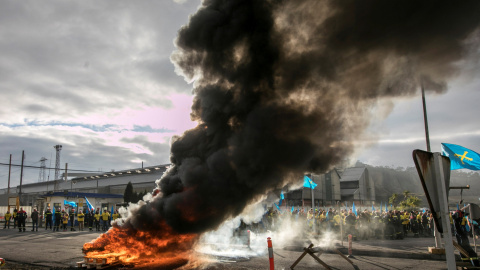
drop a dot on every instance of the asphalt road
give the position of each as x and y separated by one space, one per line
61 250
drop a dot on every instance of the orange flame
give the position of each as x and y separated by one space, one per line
162 247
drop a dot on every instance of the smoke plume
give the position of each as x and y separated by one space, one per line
285 87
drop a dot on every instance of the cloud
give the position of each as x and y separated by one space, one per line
76 59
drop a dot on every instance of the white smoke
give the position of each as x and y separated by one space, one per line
229 241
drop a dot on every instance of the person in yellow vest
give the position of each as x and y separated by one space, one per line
8 216
97 220
405 222
105 216
310 218
419 221
14 215
115 215
323 221
64 220
336 225
315 221
81 219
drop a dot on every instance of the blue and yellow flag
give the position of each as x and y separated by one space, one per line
71 203
282 197
277 207
461 157
307 182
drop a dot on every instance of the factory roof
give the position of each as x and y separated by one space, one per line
352 174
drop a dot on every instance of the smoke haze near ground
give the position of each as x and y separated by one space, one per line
286 87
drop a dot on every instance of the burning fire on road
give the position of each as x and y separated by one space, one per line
282 88
142 249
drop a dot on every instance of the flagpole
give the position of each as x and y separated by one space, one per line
313 207
425 120
472 227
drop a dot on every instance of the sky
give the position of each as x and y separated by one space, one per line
96 77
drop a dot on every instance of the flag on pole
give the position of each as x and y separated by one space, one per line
89 205
72 204
282 197
461 157
354 210
277 206
53 216
307 182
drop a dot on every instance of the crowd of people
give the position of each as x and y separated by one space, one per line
393 224
61 219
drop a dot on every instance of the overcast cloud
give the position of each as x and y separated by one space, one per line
96 77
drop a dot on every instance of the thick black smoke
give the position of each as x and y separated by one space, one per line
285 87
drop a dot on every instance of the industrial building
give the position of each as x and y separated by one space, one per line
335 186
356 185
105 190
102 190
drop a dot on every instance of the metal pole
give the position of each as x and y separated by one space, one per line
21 176
66 171
313 204
436 234
313 207
447 232
473 227
425 120
9 172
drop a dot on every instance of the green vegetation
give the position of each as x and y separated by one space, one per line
409 201
132 196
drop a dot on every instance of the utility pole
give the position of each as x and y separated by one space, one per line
21 177
66 171
9 172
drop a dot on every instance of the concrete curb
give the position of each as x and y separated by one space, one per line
376 253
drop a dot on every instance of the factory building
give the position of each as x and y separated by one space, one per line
102 189
356 185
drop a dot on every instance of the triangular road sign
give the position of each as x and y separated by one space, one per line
429 177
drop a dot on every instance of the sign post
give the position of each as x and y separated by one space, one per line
434 172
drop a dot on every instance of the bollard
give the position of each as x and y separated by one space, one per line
248 238
350 246
270 253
